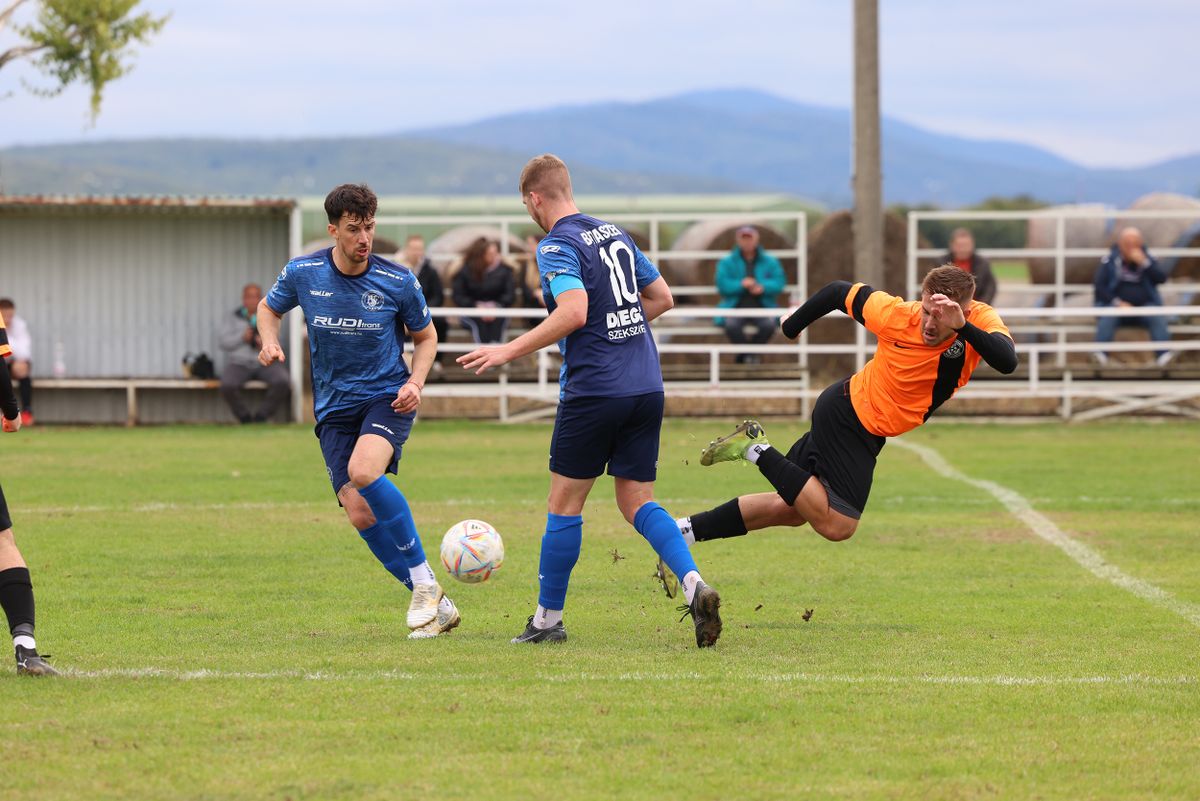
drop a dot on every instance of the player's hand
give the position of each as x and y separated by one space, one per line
270 354
485 358
11 426
948 311
408 398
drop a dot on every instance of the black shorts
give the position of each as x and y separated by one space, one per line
5 520
622 433
839 451
338 433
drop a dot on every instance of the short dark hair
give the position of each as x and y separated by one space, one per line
948 280
357 200
6 303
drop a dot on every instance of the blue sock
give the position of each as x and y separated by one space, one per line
653 523
560 552
381 544
391 512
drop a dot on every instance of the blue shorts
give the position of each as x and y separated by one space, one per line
338 433
622 433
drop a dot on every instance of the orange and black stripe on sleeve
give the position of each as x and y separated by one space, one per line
5 348
856 299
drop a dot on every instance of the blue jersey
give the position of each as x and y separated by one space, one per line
613 354
355 325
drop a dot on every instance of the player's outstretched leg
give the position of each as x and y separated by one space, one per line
732 447
393 514
560 551
703 602
16 597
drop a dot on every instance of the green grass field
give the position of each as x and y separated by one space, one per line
227 635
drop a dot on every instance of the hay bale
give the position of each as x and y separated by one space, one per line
1185 268
831 258
718 235
1161 233
1092 232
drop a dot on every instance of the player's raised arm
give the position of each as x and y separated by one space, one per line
268 332
569 315
831 297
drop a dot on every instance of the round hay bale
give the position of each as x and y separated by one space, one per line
718 235
1091 232
1166 232
1185 268
446 249
831 258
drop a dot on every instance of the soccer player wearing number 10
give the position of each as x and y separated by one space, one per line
601 293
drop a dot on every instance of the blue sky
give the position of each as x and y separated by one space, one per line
1102 82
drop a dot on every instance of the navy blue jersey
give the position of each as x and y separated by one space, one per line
613 354
355 325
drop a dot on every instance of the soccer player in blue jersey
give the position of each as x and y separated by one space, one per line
357 307
601 292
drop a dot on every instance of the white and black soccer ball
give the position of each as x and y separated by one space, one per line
472 551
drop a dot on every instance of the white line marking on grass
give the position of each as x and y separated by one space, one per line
1042 526
638 677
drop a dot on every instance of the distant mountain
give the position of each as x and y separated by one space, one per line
392 165
716 141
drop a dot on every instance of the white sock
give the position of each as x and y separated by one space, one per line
422 574
545 618
756 450
24 641
444 605
685 528
689 583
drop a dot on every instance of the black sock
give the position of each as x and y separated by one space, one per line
723 521
25 388
16 597
787 477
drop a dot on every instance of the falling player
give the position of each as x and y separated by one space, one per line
357 307
602 292
927 350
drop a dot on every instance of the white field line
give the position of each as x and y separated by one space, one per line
1043 527
639 677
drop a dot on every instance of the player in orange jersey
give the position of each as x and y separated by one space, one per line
927 349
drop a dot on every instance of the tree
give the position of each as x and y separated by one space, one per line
78 41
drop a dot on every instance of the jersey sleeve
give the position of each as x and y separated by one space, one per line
283 297
5 348
876 310
559 267
414 311
644 269
986 318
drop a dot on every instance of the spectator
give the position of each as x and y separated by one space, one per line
748 278
529 279
413 257
21 364
239 339
1129 276
963 256
484 282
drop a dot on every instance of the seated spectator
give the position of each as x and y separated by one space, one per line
484 282
239 339
413 257
1129 276
963 256
529 279
749 278
21 364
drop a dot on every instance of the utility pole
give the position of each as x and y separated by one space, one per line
868 179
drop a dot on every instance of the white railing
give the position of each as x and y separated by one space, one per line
1033 385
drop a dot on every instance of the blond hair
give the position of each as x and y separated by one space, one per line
948 280
547 175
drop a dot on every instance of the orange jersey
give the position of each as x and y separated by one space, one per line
5 348
907 380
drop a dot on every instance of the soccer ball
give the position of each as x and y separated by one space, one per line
472 550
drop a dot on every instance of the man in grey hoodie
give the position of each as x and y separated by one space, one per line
239 339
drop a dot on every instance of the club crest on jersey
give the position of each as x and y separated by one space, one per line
954 351
372 300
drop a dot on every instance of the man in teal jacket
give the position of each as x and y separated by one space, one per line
749 278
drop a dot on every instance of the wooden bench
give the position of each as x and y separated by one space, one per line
131 387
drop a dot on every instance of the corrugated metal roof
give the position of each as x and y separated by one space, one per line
164 202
